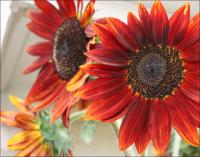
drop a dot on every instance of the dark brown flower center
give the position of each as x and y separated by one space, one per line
155 71
69 46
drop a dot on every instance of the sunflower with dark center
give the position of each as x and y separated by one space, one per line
148 72
68 35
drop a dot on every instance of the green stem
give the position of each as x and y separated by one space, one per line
77 116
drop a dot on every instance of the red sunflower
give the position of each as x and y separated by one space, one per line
147 70
59 57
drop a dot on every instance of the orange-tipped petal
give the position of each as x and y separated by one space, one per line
77 81
136 30
160 23
160 126
22 139
121 32
67 99
107 38
182 121
8 118
105 110
88 13
30 148
178 24
103 71
98 88
19 104
49 99
109 57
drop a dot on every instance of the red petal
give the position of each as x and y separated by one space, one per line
107 38
160 125
190 92
50 99
67 8
182 122
100 88
193 80
121 32
192 108
49 9
192 54
109 108
64 102
144 137
178 24
40 31
88 13
135 29
43 20
103 71
44 81
109 57
160 23
133 123
40 49
192 67
41 61
145 21
192 35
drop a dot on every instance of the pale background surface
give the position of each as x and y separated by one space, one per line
14 59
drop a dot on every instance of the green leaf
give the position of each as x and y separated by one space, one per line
87 131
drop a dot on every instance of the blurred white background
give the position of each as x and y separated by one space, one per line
15 37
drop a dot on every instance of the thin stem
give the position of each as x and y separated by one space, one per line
176 146
77 115
129 151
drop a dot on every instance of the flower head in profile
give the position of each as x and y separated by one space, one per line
148 72
67 35
38 137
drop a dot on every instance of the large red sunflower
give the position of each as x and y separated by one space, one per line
59 57
147 70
